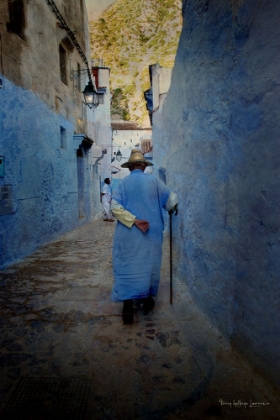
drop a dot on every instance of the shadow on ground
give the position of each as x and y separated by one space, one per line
65 353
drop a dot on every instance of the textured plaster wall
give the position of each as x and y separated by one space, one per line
216 142
52 190
102 125
42 174
34 62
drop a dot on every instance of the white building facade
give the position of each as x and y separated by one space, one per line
125 137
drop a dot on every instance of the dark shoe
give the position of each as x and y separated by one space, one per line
127 314
148 304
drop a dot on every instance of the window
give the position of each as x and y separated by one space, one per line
17 17
78 79
63 62
2 171
100 99
63 143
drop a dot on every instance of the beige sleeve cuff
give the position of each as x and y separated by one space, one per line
172 200
122 215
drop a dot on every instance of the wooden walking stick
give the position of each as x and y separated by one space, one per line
171 261
170 241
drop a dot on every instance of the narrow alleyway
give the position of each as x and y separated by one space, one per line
63 344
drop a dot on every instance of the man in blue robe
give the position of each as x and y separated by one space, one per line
138 205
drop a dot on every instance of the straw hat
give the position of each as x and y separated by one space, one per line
136 156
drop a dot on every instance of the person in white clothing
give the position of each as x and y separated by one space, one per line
106 200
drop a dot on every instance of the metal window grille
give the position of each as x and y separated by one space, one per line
146 146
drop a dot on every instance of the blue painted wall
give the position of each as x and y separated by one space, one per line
42 174
217 142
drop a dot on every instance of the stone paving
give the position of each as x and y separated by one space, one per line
57 321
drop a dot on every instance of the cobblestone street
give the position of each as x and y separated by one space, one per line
57 322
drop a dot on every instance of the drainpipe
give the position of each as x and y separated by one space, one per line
98 158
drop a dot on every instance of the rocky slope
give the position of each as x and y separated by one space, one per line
128 37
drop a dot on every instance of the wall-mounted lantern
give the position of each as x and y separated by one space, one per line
119 155
90 95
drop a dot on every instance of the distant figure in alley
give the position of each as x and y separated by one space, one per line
138 204
106 200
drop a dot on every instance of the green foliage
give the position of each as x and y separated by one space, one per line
143 38
145 78
130 89
130 36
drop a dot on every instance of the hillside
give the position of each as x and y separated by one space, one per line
128 37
